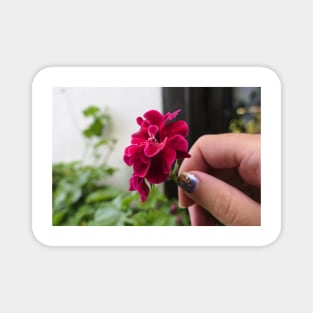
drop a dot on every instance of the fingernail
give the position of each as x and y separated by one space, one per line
187 181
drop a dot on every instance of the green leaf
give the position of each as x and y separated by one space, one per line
88 133
58 217
91 111
104 194
108 215
130 200
94 129
83 213
153 218
154 199
66 194
82 176
101 142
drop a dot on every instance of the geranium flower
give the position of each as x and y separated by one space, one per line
154 148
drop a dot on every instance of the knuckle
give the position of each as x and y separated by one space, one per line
252 163
202 139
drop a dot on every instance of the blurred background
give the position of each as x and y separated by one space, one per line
92 127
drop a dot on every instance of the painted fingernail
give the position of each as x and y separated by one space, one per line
187 181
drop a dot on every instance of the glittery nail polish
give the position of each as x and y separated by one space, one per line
187 181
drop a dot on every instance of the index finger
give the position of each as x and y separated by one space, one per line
224 151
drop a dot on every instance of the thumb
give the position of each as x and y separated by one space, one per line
226 203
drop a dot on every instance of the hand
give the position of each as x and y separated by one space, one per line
222 180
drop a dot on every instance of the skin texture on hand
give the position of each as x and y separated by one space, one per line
227 171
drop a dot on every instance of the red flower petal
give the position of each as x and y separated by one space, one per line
132 149
152 130
182 155
141 167
174 128
139 184
168 156
154 117
139 120
152 148
134 153
161 165
139 137
143 190
169 116
178 143
126 159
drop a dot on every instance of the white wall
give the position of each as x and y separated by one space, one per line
124 104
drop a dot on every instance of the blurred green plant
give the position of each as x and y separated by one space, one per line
98 134
82 196
247 115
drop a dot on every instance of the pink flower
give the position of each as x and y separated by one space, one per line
154 148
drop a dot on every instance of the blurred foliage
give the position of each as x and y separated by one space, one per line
247 115
98 134
83 197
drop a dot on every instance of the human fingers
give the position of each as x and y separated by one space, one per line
200 217
226 203
224 151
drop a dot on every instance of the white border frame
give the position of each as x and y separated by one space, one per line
51 77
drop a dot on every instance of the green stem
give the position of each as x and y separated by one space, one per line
174 172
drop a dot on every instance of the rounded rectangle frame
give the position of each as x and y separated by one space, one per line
51 77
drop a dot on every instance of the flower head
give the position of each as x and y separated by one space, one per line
154 148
